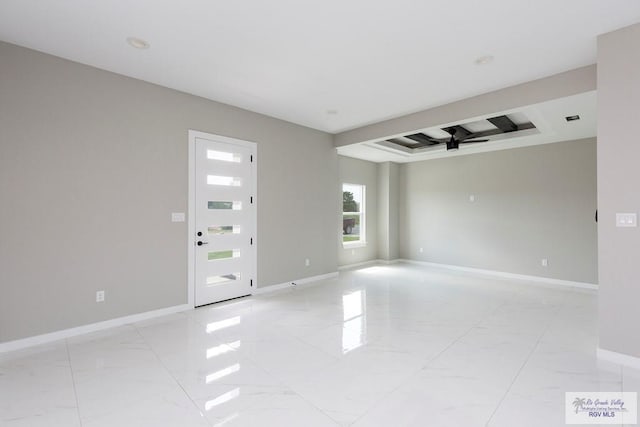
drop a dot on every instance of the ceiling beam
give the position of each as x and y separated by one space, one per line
494 132
503 123
424 139
399 141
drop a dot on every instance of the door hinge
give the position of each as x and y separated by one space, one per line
251 281
251 158
252 240
251 199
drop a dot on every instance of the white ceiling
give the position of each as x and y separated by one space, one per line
369 60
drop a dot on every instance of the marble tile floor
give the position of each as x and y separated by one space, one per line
397 345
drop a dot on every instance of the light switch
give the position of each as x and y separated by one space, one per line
626 220
177 217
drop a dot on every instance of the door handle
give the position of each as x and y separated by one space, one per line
200 243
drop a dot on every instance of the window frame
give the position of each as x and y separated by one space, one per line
362 214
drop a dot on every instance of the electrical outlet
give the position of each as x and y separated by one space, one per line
544 262
626 220
307 262
472 198
100 296
177 217
421 250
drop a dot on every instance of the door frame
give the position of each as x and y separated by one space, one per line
191 217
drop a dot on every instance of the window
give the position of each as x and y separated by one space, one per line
353 215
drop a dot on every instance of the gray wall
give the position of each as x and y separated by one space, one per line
388 206
354 171
530 203
91 166
618 178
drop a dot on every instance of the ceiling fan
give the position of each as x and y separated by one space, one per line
459 135
453 143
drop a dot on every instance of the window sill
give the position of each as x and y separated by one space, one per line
353 245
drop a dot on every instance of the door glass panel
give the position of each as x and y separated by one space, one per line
231 253
226 278
224 229
224 156
227 181
236 206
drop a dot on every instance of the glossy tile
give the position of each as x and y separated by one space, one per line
119 380
247 405
436 398
36 388
396 345
631 380
348 388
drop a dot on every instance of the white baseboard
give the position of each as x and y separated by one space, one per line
120 321
619 358
298 282
358 264
365 263
92 327
539 279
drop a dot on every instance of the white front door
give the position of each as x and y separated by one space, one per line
225 218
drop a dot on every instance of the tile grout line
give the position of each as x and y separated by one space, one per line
73 381
283 384
515 378
316 348
320 410
289 387
279 380
171 375
465 333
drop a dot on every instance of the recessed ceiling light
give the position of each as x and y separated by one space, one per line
572 118
332 112
482 60
138 43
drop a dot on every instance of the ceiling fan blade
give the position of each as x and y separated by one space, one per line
470 136
423 139
471 142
